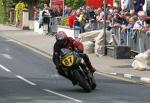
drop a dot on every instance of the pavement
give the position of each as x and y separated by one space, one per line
105 65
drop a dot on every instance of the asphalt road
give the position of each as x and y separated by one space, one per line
28 77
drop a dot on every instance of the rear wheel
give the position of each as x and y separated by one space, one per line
82 81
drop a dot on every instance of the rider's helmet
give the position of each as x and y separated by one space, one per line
61 38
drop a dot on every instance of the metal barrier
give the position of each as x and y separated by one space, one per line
54 22
76 32
50 25
94 25
137 40
100 25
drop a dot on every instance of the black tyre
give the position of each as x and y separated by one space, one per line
91 80
82 81
93 83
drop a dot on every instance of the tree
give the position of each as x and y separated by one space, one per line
74 4
5 6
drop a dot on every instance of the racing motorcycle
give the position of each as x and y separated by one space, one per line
74 69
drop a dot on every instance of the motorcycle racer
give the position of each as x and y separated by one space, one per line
62 41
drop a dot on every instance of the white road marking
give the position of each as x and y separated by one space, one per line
145 79
4 68
9 40
128 75
7 56
113 73
49 91
22 78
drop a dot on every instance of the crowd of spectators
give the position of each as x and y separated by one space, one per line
88 18
53 12
45 16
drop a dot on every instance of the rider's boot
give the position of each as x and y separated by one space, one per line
91 68
88 63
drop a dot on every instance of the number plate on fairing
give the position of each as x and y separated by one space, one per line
68 61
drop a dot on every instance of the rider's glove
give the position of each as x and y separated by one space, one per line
79 50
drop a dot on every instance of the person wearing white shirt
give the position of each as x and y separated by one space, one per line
125 5
146 7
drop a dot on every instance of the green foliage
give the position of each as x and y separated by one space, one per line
74 4
5 7
40 3
2 14
3 11
117 1
64 21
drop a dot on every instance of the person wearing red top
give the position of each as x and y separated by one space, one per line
62 41
71 19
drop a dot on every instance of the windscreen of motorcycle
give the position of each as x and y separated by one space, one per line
67 58
65 51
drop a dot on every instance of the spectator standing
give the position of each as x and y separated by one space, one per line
59 11
138 5
71 19
46 17
35 12
82 20
92 18
140 23
132 21
147 28
55 12
126 5
66 11
124 18
146 7
101 15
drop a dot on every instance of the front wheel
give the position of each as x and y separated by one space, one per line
82 81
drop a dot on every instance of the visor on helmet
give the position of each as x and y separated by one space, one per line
61 38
